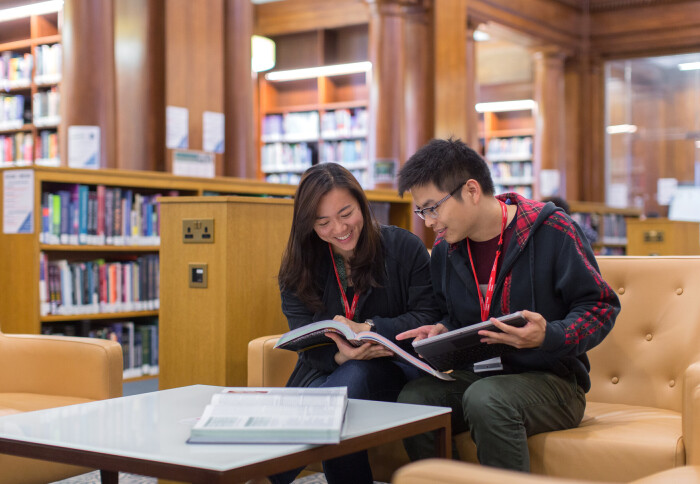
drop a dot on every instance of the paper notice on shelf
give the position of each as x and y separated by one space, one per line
193 163
213 131
684 205
84 147
665 188
18 202
549 183
617 195
177 127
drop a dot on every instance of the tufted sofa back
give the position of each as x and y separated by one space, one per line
656 336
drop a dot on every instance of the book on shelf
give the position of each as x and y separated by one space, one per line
314 334
272 415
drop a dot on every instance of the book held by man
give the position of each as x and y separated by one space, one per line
248 415
314 334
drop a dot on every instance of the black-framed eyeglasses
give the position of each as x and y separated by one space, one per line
432 211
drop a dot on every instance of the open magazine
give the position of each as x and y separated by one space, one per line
314 334
247 415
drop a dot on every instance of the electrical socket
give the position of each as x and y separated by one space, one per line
198 231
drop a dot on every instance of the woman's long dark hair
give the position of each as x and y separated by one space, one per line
305 250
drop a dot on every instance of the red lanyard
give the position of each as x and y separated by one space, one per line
349 310
485 302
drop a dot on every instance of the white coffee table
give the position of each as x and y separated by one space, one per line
146 434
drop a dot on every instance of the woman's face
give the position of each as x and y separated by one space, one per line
339 221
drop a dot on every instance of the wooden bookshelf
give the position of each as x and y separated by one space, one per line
608 223
32 45
508 148
22 253
324 118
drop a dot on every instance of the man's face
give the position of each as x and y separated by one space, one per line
451 219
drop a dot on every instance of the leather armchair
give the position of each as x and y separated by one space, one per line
440 471
643 410
38 372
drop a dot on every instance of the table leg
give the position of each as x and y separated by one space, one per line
109 477
443 441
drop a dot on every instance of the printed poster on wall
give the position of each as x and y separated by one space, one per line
213 131
193 163
84 147
18 202
177 121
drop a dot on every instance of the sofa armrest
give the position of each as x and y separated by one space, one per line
268 367
443 471
58 365
691 414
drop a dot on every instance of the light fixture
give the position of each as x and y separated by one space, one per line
31 9
312 72
621 128
481 36
262 53
502 106
689 66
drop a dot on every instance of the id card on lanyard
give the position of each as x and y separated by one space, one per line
485 302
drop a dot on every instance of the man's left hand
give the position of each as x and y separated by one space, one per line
529 336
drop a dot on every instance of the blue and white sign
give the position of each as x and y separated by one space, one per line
84 147
18 202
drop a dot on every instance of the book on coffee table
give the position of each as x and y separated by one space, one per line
245 415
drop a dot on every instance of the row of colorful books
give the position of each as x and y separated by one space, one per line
509 149
97 286
511 169
48 64
100 215
344 151
344 123
286 157
15 69
12 109
16 149
139 342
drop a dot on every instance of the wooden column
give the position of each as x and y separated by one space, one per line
418 87
550 131
194 67
239 157
88 85
139 46
472 87
593 130
386 88
451 73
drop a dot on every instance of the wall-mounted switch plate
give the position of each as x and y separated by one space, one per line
198 231
197 275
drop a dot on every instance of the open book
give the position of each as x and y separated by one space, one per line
461 347
314 334
272 415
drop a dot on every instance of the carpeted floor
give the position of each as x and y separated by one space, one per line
94 478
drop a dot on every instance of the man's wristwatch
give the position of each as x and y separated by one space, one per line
372 326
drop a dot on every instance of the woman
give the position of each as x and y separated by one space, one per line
341 264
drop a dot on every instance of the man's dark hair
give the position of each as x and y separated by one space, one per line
445 163
559 202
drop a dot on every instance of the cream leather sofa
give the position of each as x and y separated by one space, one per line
438 471
38 372
643 411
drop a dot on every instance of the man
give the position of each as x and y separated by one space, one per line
526 256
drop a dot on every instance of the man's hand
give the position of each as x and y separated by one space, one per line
529 336
347 352
422 332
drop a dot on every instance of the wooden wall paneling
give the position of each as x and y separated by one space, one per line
240 158
552 22
88 85
386 91
139 46
550 130
44 25
276 18
194 53
346 44
593 138
472 89
646 29
298 50
450 73
419 84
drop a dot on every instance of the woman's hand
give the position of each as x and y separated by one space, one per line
356 327
347 352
